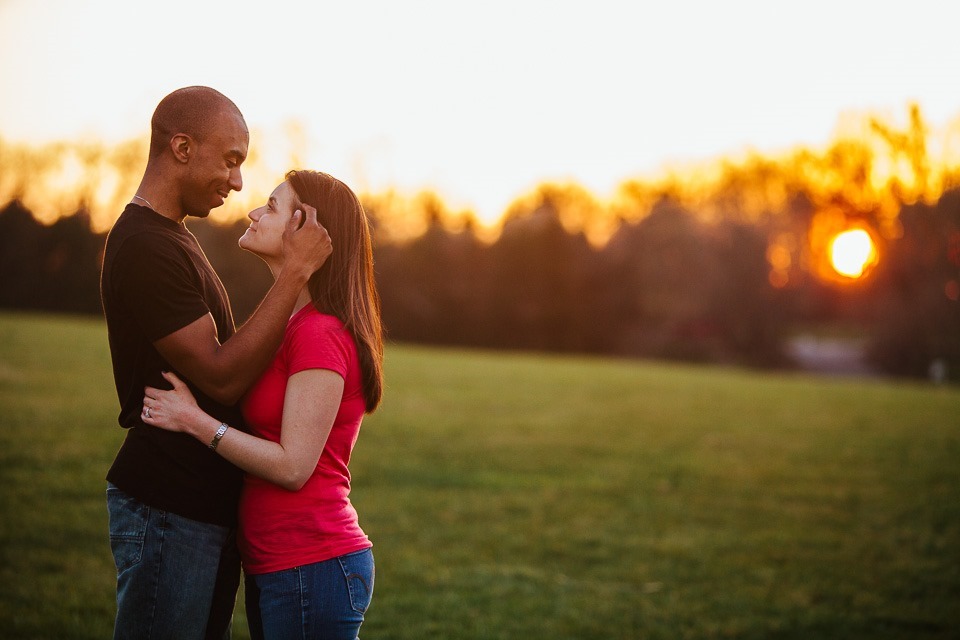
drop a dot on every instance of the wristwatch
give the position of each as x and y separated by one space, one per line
216 438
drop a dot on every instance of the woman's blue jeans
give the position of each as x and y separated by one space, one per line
321 600
176 577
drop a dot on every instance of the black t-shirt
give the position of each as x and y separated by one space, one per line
155 281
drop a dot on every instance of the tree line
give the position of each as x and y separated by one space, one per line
671 283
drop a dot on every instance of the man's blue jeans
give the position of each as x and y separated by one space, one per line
176 577
321 600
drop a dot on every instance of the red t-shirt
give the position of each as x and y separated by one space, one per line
281 529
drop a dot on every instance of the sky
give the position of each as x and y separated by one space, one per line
481 101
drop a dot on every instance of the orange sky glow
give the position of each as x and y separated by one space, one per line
478 103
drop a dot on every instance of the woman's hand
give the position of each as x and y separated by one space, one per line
174 410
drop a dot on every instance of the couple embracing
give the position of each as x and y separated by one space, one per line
238 440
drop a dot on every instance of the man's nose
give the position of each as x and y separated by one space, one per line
236 180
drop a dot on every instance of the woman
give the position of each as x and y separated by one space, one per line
309 566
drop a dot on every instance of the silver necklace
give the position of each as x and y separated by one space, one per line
147 202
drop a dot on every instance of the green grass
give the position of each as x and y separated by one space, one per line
523 496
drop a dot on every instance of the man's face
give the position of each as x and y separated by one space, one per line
213 170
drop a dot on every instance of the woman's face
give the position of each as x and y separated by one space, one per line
264 236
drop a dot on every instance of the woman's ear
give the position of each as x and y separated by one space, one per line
303 215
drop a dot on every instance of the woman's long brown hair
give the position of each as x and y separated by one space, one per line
344 286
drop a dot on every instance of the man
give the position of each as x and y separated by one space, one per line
171 500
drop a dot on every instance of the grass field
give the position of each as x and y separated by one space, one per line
520 496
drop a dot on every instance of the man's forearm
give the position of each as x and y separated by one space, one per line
224 371
241 359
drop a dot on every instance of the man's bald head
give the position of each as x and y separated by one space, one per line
191 110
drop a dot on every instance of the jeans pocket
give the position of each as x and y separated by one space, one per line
128 528
359 572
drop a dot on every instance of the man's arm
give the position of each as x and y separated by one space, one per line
225 371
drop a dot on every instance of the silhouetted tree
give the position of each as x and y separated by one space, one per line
748 313
20 257
49 268
667 270
538 294
431 288
918 312
70 265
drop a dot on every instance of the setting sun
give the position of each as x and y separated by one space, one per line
852 252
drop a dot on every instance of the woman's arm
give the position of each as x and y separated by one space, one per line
225 371
310 406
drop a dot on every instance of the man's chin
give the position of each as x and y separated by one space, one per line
198 213
204 210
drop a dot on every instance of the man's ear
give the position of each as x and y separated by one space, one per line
182 146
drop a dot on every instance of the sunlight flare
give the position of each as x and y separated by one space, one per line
852 252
